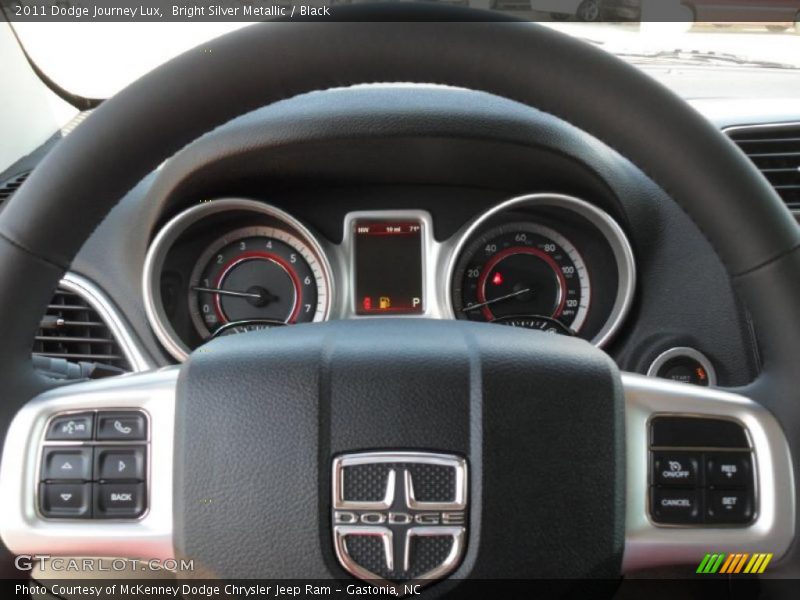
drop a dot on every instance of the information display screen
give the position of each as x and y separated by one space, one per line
388 267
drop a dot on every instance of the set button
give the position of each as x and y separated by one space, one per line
730 506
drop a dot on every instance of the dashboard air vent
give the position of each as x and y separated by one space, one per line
775 150
9 186
71 329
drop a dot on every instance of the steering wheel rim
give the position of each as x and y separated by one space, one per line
81 180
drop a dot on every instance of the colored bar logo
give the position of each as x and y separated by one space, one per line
731 564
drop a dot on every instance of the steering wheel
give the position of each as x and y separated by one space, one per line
460 449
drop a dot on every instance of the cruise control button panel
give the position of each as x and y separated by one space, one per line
701 472
101 474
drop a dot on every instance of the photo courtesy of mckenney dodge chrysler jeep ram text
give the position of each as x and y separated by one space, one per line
399 299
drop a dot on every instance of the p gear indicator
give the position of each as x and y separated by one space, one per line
388 267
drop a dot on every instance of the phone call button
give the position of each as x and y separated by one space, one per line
117 425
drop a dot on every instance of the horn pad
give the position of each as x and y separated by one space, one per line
536 420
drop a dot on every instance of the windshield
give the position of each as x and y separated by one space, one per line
95 60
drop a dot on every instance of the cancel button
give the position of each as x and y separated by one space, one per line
675 468
674 506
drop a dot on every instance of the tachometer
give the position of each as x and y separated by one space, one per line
522 270
253 277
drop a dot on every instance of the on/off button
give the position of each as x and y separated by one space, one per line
675 469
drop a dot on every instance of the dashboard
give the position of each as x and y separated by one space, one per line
545 261
467 207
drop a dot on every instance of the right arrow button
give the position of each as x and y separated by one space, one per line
114 463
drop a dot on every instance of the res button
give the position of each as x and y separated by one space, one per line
729 469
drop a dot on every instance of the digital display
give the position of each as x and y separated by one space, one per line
388 267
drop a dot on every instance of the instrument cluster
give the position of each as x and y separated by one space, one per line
545 262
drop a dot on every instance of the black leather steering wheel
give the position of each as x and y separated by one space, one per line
320 377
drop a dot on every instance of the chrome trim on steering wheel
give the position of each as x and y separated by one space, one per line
24 531
646 544
772 530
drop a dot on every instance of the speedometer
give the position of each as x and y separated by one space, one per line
255 277
522 270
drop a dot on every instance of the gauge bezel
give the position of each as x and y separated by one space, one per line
239 234
430 251
172 231
584 280
601 220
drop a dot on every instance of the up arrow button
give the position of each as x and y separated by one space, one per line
66 464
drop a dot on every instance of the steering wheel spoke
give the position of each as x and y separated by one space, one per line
650 540
87 470
692 452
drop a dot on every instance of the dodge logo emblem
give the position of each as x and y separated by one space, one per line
399 518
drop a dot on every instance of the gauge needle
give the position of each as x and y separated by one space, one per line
227 292
492 301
